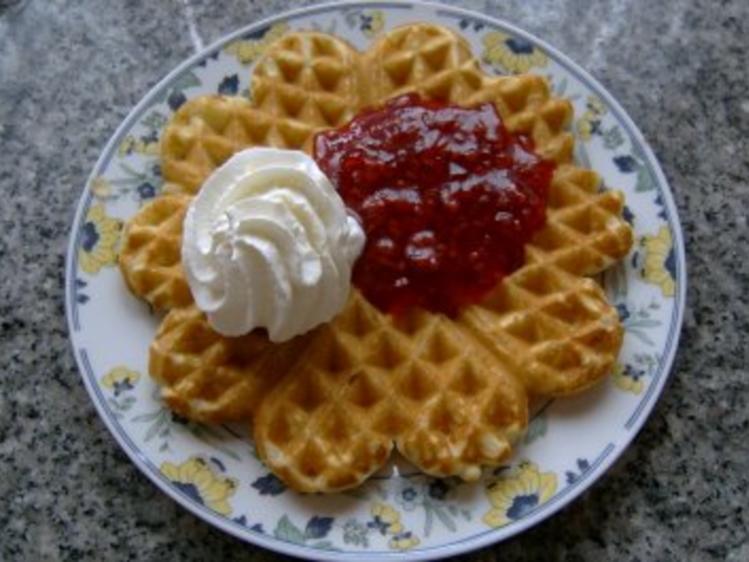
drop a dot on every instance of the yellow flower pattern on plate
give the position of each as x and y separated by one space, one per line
133 145
590 120
387 520
511 54
373 22
404 541
625 381
99 236
660 261
518 492
196 479
120 379
249 50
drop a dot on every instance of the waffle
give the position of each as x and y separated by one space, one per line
451 394
210 378
201 136
365 383
550 324
150 258
306 82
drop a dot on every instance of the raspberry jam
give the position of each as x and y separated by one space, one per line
446 195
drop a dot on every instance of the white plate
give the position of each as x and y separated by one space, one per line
214 472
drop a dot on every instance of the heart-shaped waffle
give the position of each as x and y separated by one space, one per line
450 394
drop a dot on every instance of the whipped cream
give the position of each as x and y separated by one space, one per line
268 243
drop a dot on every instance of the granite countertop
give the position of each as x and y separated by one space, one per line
71 71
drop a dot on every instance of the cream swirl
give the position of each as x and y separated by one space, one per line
268 243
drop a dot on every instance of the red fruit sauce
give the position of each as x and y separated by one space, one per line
447 197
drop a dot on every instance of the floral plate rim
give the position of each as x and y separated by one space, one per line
485 537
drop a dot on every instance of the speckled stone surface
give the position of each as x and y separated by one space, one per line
71 70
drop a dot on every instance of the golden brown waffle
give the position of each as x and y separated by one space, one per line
364 383
210 378
201 136
150 258
451 394
306 82
553 327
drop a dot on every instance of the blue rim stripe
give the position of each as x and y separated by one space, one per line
476 541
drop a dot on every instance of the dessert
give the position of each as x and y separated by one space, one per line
268 243
449 391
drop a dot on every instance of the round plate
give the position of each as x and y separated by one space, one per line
214 472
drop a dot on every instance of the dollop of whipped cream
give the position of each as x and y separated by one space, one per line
268 243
